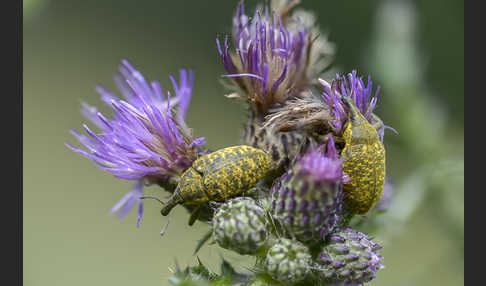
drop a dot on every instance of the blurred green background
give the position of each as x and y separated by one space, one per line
413 49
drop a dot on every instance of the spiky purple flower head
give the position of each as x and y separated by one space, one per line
353 87
145 139
269 63
307 199
322 164
128 201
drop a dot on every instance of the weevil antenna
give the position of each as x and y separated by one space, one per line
164 229
151 197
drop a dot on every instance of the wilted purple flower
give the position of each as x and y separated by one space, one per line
145 138
270 61
352 87
307 199
328 114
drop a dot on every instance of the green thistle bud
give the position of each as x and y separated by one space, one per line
240 225
288 261
350 256
307 200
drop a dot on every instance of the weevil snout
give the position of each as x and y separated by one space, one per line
174 200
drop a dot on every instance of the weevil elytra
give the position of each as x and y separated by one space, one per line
220 175
364 161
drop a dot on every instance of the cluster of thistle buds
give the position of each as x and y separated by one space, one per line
307 164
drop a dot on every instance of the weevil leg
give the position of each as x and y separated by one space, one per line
337 139
214 204
194 215
258 191
377 122
252 192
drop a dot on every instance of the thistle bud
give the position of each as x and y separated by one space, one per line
288 261
307 201
350 256
240 225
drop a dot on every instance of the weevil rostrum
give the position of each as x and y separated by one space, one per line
364 161
222 174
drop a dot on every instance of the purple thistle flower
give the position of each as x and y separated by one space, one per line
353 87
270 61
126 203
144 139
323 164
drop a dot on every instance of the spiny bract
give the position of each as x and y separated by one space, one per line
220 175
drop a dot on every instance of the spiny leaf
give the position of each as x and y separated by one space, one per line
203 240
227 269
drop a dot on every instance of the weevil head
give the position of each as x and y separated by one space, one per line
171 203
189 190
358 129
